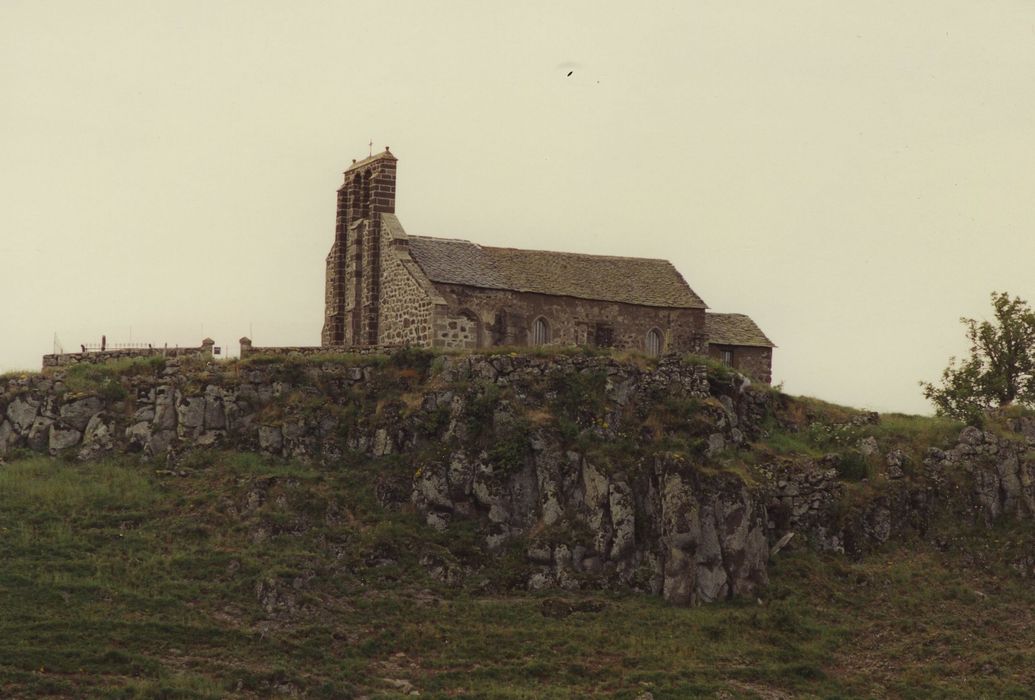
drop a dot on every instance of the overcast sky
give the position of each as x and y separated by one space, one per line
855 176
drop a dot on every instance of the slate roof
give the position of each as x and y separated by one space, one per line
641 281
735 329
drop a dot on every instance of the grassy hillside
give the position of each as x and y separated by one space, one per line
237 576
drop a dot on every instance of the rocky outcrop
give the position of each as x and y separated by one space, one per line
662 527
598 472
514 441
1000 469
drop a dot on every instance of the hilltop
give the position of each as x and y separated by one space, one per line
503 525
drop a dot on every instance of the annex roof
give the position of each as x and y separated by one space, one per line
643 281
735 329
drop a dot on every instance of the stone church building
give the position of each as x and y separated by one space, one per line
388 288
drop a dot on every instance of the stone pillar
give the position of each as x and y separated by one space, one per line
246 347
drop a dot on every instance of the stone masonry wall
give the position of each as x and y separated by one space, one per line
456 331
406 306
96 357
353 273
505 318
250 351
755 362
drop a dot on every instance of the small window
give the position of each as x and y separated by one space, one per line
604 335
540 332
654 342
727 357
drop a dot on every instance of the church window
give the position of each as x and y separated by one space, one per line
540 332
654 342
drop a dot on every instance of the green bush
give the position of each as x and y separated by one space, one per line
853 466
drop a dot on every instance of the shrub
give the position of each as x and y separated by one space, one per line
853 466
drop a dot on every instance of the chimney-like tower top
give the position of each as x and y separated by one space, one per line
385 155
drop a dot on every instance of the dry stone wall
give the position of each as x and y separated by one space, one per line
102 356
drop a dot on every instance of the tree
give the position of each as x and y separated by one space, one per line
1001 367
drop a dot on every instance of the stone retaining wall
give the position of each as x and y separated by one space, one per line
101 356
249 350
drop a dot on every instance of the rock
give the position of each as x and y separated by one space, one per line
209 438
97 438
137 435
596 489
39 434
159 442
7 436
382 443
431 488
896 459
539 554
780 544
215 413
868 446
592 565
271 439
716 444
191 415
436 521
623 518
62 439
78 413
539 581
971 436
165 409
22 413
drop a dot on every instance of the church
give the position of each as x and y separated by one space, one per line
386 288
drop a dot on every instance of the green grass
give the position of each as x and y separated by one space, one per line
249 577
104 378
806 427
17 374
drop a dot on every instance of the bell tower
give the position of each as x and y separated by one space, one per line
353 282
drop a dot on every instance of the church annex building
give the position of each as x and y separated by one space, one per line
387 288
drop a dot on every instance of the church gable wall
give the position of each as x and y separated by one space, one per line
407 300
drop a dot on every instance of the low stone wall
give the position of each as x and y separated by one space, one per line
101 356
249 350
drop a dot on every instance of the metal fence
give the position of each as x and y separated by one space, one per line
97 347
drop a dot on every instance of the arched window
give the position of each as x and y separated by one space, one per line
654 341
540 331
